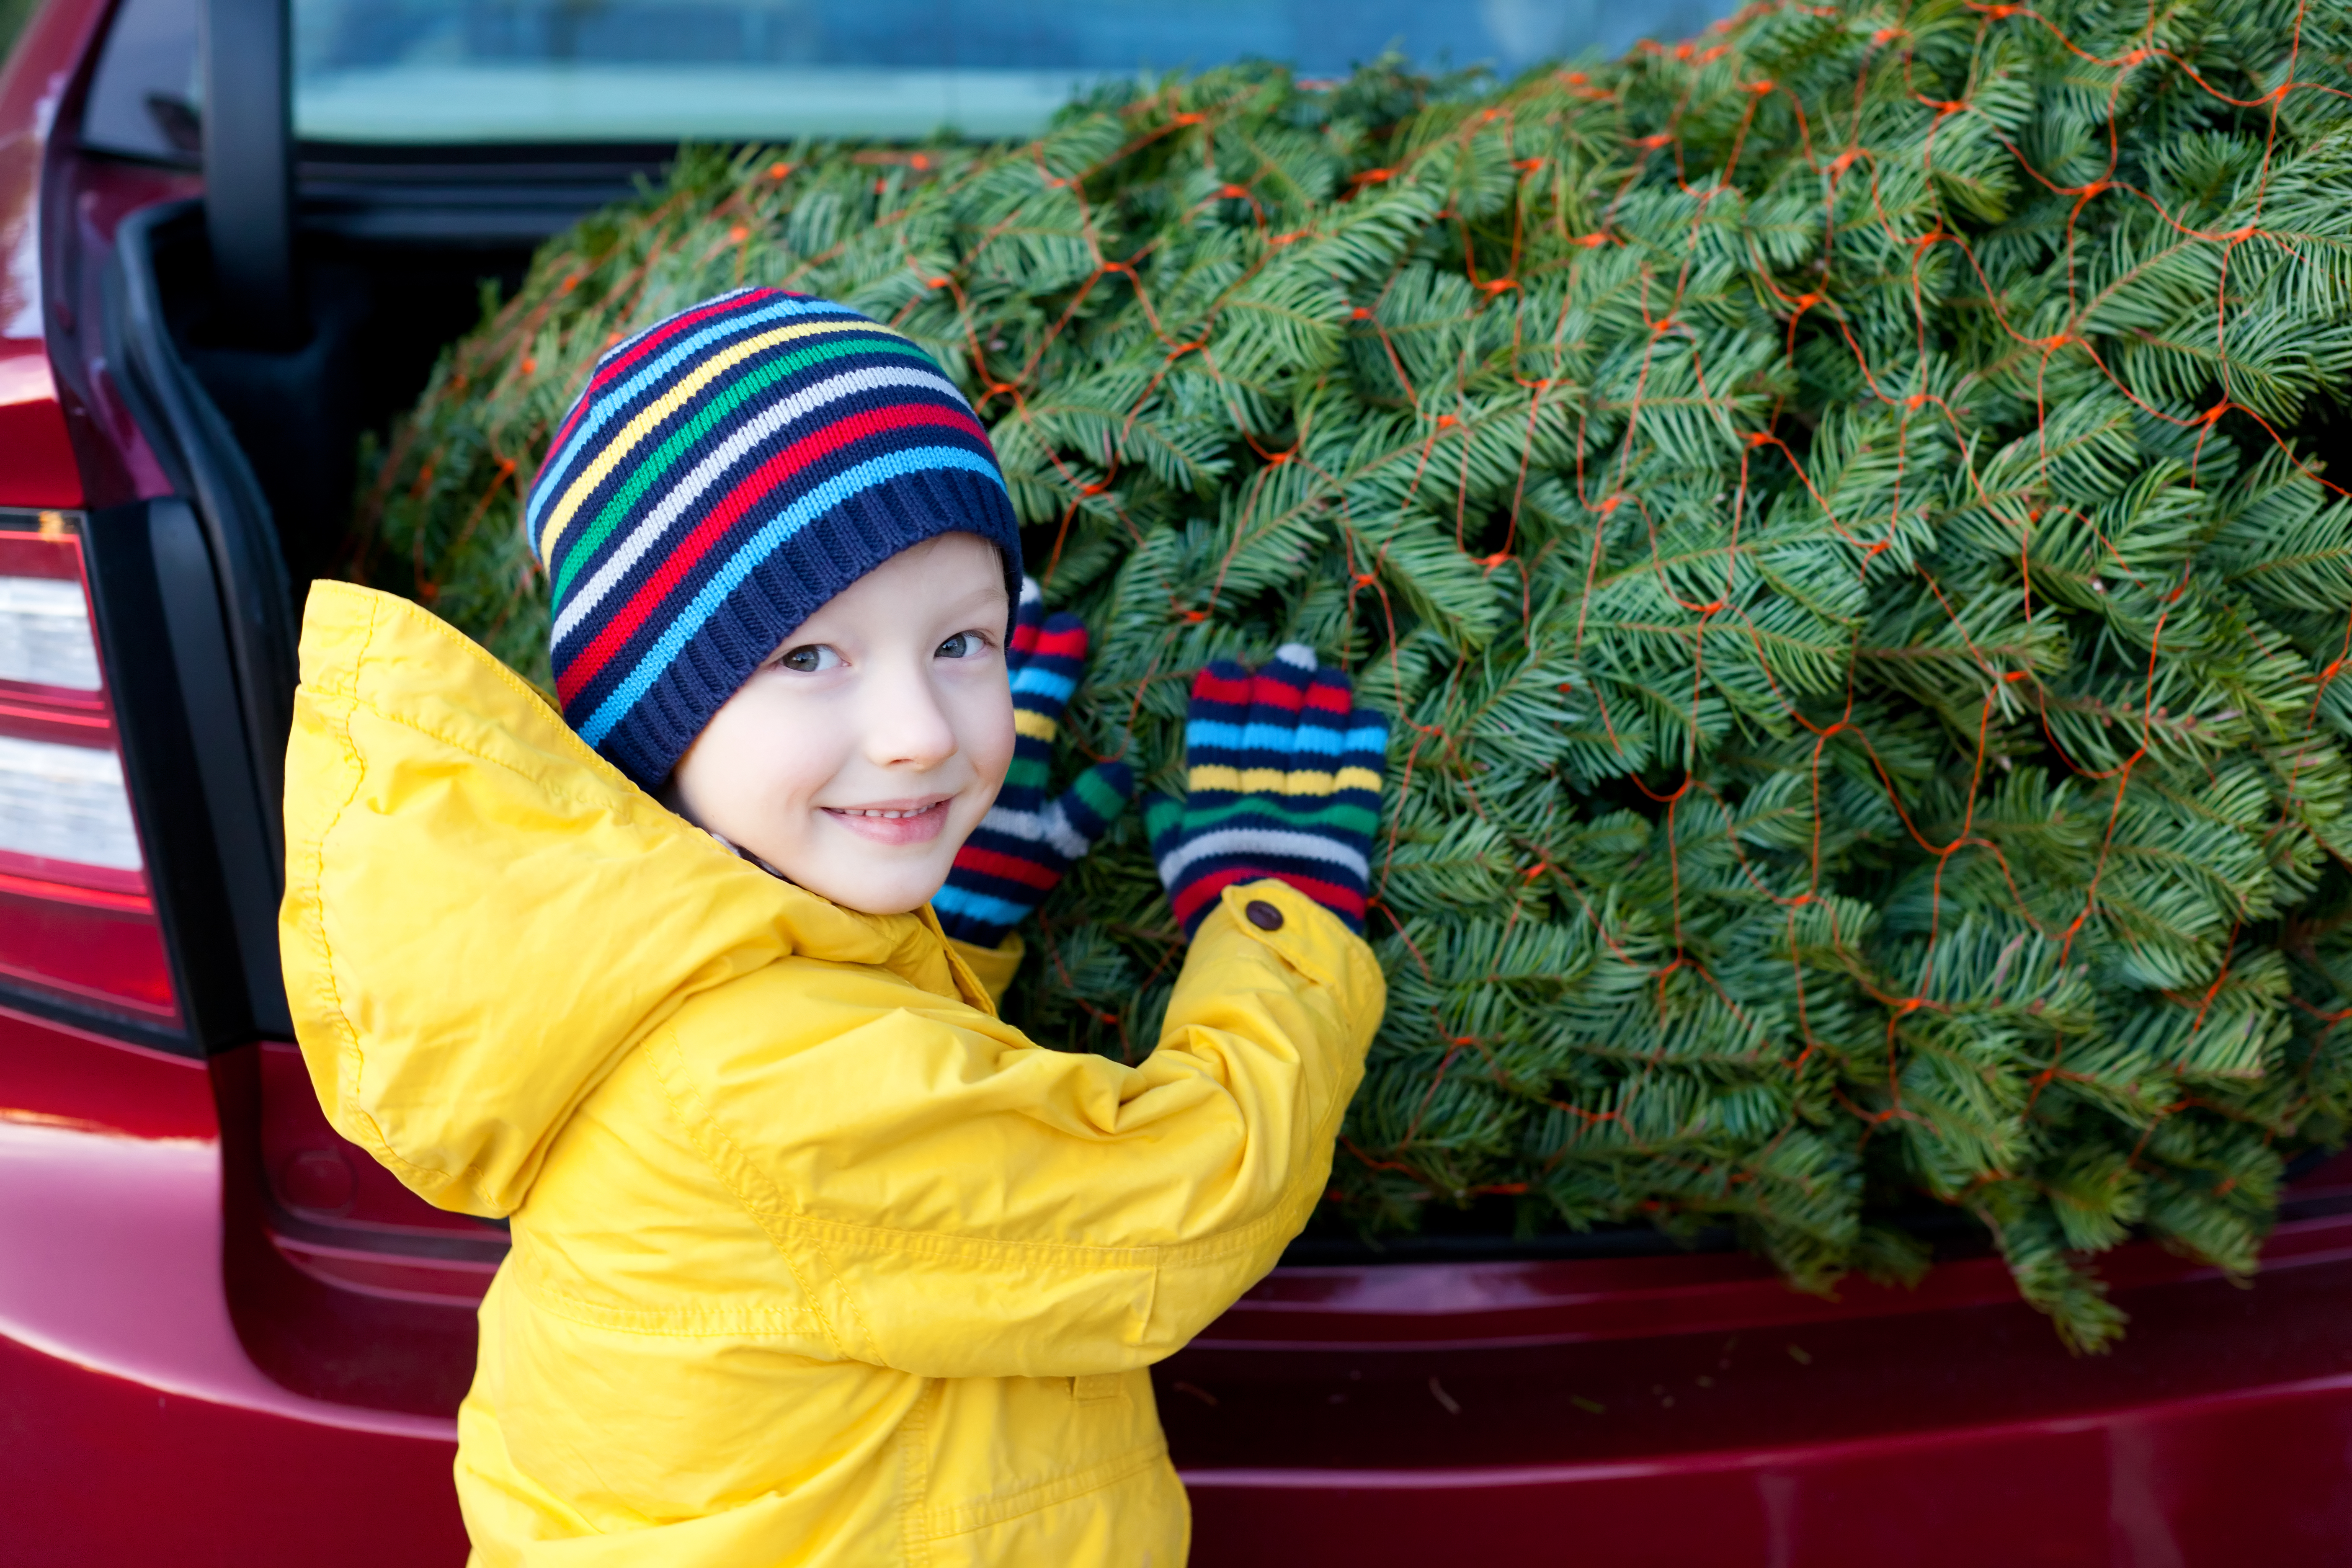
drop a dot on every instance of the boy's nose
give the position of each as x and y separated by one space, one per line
906 725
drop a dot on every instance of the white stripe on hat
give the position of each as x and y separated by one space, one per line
690 487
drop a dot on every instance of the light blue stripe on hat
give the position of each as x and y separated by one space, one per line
809 507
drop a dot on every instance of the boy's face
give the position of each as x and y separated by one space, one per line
861 754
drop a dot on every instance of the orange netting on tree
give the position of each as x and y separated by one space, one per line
1839 508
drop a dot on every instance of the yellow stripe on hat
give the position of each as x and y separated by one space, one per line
651 417
1277 781
1034 725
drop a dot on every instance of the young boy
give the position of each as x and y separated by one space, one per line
815 1259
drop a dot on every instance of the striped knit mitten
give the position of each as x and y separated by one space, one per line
1284 781
1023 845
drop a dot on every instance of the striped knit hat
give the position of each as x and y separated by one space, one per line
722 475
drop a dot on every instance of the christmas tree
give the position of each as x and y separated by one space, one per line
1839 508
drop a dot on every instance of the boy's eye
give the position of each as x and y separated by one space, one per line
808 658
963 645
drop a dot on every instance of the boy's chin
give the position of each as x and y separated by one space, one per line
898 891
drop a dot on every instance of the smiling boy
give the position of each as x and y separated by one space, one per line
816 1260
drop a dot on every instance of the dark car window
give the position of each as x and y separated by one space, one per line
450 71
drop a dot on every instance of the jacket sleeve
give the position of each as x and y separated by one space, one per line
957 1202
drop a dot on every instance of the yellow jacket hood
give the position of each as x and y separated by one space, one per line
449 828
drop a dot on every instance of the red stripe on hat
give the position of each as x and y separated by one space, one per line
777 471
1328 699
1012 868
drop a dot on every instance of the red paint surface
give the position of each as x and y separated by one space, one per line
106 1473
99 946
37 459
2250 1478
53 1075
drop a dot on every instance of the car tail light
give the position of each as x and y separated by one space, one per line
76 917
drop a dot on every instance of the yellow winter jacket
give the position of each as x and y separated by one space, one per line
815 1259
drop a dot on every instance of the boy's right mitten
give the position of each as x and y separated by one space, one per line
1283 774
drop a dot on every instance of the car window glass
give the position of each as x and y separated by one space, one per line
658 70
456 71
143 100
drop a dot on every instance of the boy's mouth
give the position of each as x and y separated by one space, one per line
917 821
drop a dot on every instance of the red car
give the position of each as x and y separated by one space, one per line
227 1337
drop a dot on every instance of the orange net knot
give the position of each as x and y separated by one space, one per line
1446 420
1998 13
1590 241
1758 437
1496 559
2215 413
1575 79
1885 35
738 233
1361 313
778 171
1373 177
1189 117
1526 165
1365 579
1232 190
2058 341
921 160
2132 59
1915 400
1611 504
1660 140
935 282
1807 301
1496 285
530 367
1761 85
1196 616
2095 188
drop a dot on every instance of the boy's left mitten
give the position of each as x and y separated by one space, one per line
1283 780
1024 845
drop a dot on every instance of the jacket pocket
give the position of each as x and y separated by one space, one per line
1096 1387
